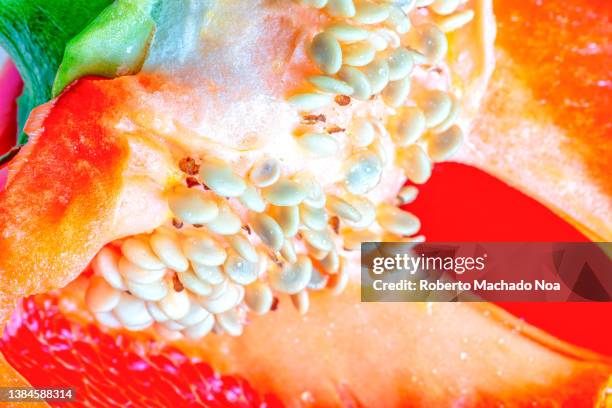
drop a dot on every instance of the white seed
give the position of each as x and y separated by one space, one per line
265 172
226 222
408 194
313 218
451 118
363 172
396 92
195 315
169 251
175 304
132 311
441 146
221 179
343 209
201 329
288 218
108 319
230 322
378 41
436 106
381 150
209 274
398 20
341 8
288 251
156 312
137 274
192 205
240 270
371 13
310 101
291 278
167 334
301 302
410 127
392 39
362 132
431 42
139 327
318 239
362 89
401 63
100 296
444 7
319 144
315 196
139 252
268 231
228 299
314 3
378 75
203 250
172 325
338 282
284 193
196 285
358 54
259 298
456 21
326 53
218 290
347 33
148 291
331 85
315 253
105 264
365 209
318 280
397 221
252 199
415 163
331 262
243 247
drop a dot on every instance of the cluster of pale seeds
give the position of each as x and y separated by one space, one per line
236 242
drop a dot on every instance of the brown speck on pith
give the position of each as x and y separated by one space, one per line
197 225
192 182
189 166
334 129
178 224
334 223
274 304
247 228
176 283
312 119
343 100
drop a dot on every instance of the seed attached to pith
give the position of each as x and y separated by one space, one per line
288 251
268 231
199 330
221 179
203 250
398 20
138 251
148 291
436 106
397 221
326 53
431 42
100 296
284 193
319 144
456 21
192 206
169 251
371 13
132 311
209 274
310 101
194 284
358 54
396 92
288 218
243 247
363 172
292 278
301 302
230 322
240 270
341 8
407 194
415 163
265 172
442 146
137 274
378 74
444 7
318 239
410 127
258 297
331 85
175 304
313 218
226 222
347 33
362 89
343 209
106 264
366 210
